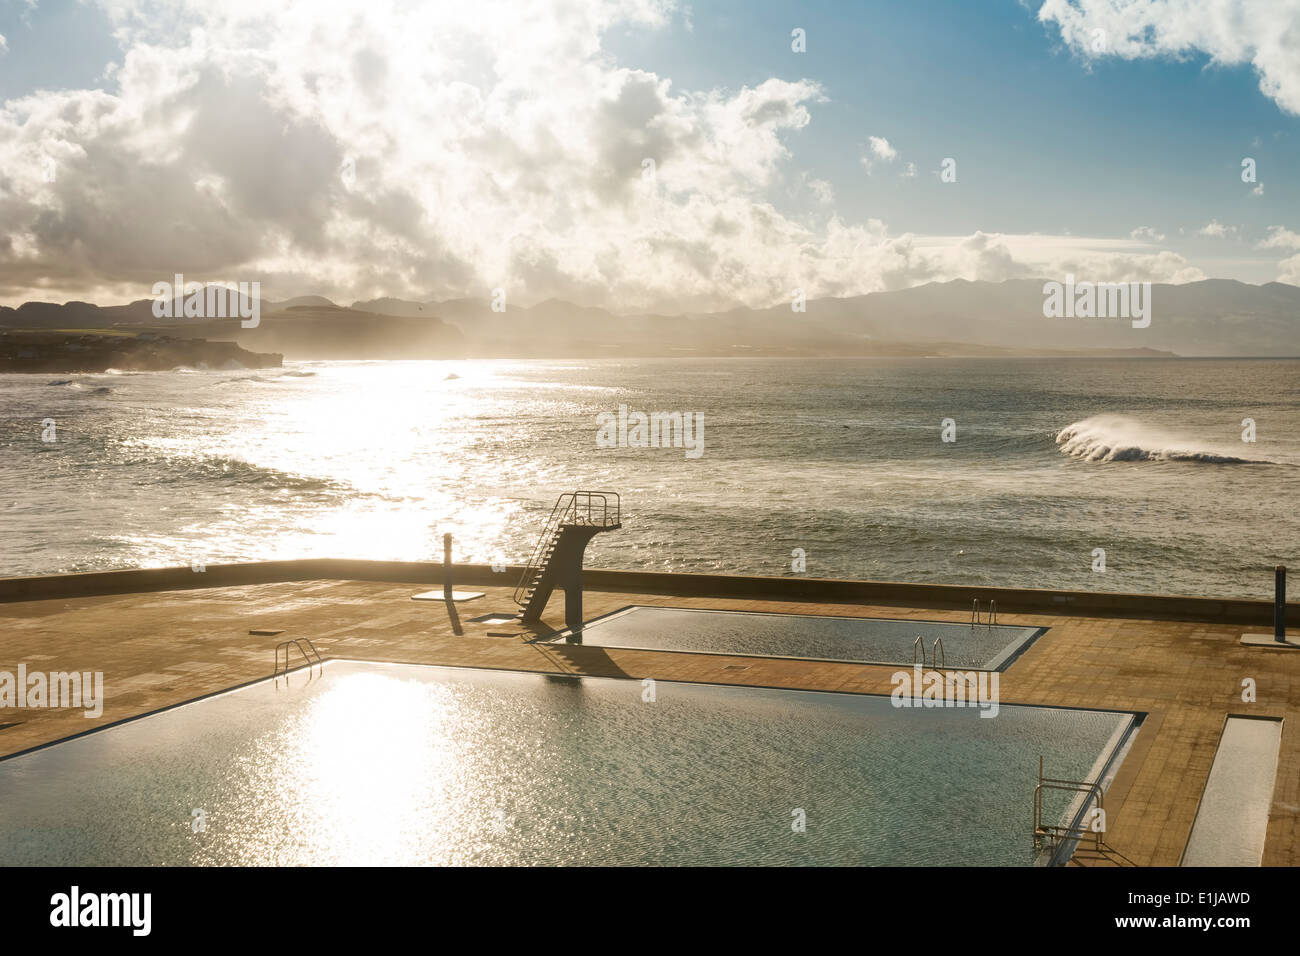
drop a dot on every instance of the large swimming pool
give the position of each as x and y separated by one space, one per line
400 764
865 640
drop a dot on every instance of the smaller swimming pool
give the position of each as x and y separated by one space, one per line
860 640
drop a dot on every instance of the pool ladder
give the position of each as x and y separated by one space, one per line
937 656
990 620
305 647
1054 836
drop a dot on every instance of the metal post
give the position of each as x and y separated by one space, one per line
573 602
446 567
1279 603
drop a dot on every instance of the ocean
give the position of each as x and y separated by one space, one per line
836 467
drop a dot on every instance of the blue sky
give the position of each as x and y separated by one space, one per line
1060 155
1046 142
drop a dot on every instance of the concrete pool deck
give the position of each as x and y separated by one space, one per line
161 638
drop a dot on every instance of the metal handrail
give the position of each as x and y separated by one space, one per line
297 642
990 620
590 497
1059 833
548 532
570 506
935 649
915 643
1053 832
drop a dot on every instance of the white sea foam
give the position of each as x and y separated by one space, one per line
1119 438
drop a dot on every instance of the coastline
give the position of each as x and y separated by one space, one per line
91 351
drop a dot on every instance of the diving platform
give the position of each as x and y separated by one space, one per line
556 561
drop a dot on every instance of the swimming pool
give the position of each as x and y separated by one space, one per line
405 764
863 640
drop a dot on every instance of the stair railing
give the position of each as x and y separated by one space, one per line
591 508
562 504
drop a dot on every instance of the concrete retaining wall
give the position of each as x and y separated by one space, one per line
1256 613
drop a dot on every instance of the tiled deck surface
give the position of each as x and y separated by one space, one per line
166 647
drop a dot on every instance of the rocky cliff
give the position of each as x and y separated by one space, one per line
23 350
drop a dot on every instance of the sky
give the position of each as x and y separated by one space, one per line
642 154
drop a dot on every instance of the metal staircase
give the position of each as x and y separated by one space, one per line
556 561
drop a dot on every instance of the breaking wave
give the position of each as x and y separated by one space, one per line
1117 438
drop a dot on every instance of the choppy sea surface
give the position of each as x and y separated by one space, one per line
842 461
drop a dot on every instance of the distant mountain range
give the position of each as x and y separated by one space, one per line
958 318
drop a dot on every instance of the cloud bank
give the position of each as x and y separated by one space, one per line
359 149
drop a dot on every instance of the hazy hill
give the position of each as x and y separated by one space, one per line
317 301
44 351
332 332
84 315
1212 317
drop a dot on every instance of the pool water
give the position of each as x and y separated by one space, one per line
402 764
806 636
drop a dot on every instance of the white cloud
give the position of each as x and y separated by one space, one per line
492 146
4 45
1163 266
1262 33
1279 237
1216 230
822 190
909 171
882 150
1258 190
1005 255
877 148
1147 234
984 257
